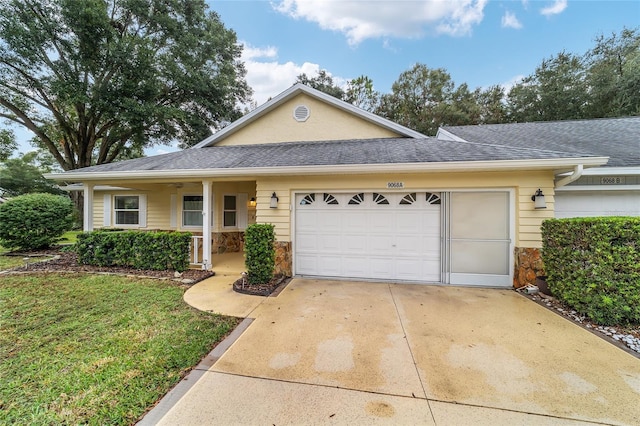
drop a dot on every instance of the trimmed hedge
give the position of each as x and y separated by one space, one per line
34 221
136 249
260 260
593 265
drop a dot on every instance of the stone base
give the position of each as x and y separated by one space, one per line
528 266
284 263
225 242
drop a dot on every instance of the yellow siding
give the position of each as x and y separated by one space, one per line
524 183
159 202
280 126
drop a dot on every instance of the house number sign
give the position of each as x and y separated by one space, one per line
612 180
395 185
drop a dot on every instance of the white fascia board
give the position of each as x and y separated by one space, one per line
602 171
452 166
290 93
580 188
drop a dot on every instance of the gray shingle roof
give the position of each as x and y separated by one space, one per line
617 138
328 153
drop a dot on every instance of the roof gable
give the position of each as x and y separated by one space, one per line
329 119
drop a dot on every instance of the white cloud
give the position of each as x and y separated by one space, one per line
361 20
509 20
556 8
507 85
269 77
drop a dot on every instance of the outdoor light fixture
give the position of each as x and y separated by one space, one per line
538 199
252 202
274 201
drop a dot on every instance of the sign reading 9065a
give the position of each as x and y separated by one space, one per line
395 185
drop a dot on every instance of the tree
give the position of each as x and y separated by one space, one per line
613 75
99 79
424 99
23 175
7 144
491 102
360 92
555 91
322 82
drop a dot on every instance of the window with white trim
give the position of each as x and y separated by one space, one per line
230 211
192 210
126 209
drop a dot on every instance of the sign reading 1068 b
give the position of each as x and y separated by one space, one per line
395 185
612 180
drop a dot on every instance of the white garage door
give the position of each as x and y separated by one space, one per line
597 203
388 236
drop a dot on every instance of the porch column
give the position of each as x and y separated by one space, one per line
87 214
206 224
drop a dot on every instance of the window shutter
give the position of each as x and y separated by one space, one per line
173 221
241 209
107 210
142 219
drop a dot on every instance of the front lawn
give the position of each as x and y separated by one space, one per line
95 349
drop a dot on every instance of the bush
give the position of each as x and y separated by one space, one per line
593 265
260 253
136 249
34 221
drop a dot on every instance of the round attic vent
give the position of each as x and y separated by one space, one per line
301 113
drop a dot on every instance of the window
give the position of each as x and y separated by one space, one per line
230 213
192 210
357 199
379 198
308 199
408 199
127 209
330 199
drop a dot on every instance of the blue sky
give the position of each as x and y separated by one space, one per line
479 42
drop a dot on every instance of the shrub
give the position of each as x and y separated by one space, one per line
136 249
34 221
260 253
593 265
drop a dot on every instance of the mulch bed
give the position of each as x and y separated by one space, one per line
67 261
274 286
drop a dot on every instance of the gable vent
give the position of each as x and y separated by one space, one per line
301 113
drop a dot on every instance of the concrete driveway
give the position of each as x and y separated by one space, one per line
361 353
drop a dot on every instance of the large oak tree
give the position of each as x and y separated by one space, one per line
97 80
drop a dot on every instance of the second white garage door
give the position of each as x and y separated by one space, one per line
387 236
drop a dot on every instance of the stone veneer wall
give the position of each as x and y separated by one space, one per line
528 266
284 264
227 242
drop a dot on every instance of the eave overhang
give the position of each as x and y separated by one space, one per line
558 165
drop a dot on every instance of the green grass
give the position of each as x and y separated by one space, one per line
69 237
95 349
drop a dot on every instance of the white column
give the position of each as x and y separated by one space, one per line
206 224
88 207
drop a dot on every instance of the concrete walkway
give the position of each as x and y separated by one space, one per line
360 353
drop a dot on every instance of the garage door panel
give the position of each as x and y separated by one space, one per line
329 220
306 242
354 243
329 243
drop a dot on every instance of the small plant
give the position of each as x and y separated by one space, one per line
260 253
34 221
